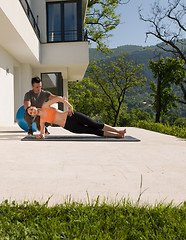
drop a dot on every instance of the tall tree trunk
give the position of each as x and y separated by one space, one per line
117 113
158 100
116 119
184 91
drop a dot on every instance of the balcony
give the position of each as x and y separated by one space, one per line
54 36
30 16
73 56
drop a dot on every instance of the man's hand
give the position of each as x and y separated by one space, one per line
27 104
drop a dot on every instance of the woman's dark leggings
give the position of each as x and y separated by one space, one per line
80 123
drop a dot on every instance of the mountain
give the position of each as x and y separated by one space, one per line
140 97
139 54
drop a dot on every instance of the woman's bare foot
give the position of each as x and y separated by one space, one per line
122 132
118 134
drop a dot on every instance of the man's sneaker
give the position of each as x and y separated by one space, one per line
30 131
46 131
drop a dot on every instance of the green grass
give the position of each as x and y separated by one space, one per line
177 131
95 220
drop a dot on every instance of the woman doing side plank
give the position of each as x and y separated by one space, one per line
75 122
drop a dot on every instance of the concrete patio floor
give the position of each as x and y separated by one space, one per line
112 170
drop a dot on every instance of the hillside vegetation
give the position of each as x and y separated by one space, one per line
107 81
140 97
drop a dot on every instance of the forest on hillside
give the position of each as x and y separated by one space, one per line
140 97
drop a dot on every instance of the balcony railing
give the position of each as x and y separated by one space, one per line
30 16
67 36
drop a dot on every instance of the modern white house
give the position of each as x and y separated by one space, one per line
42 38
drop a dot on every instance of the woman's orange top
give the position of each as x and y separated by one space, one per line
51 114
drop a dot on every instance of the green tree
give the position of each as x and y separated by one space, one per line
167 23
85 97
115 78
168 73
101 19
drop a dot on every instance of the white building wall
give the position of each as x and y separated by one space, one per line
26 76
15 81
22 74
17 90
7 89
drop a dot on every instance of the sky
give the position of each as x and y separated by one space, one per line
131 30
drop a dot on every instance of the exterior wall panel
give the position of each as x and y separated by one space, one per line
23 55
17 34
7 89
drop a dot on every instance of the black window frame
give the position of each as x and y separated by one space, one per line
60 90
79 21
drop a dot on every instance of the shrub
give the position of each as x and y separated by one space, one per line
174 130
133 117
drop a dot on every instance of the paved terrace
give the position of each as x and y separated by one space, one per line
112 170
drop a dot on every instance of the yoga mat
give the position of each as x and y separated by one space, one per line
81 138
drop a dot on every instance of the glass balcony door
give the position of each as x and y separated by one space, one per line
70 21
64 21
54 22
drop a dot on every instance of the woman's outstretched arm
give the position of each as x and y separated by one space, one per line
42 129
56 100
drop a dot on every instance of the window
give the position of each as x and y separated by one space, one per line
54 22
70 23
64 21
53 82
